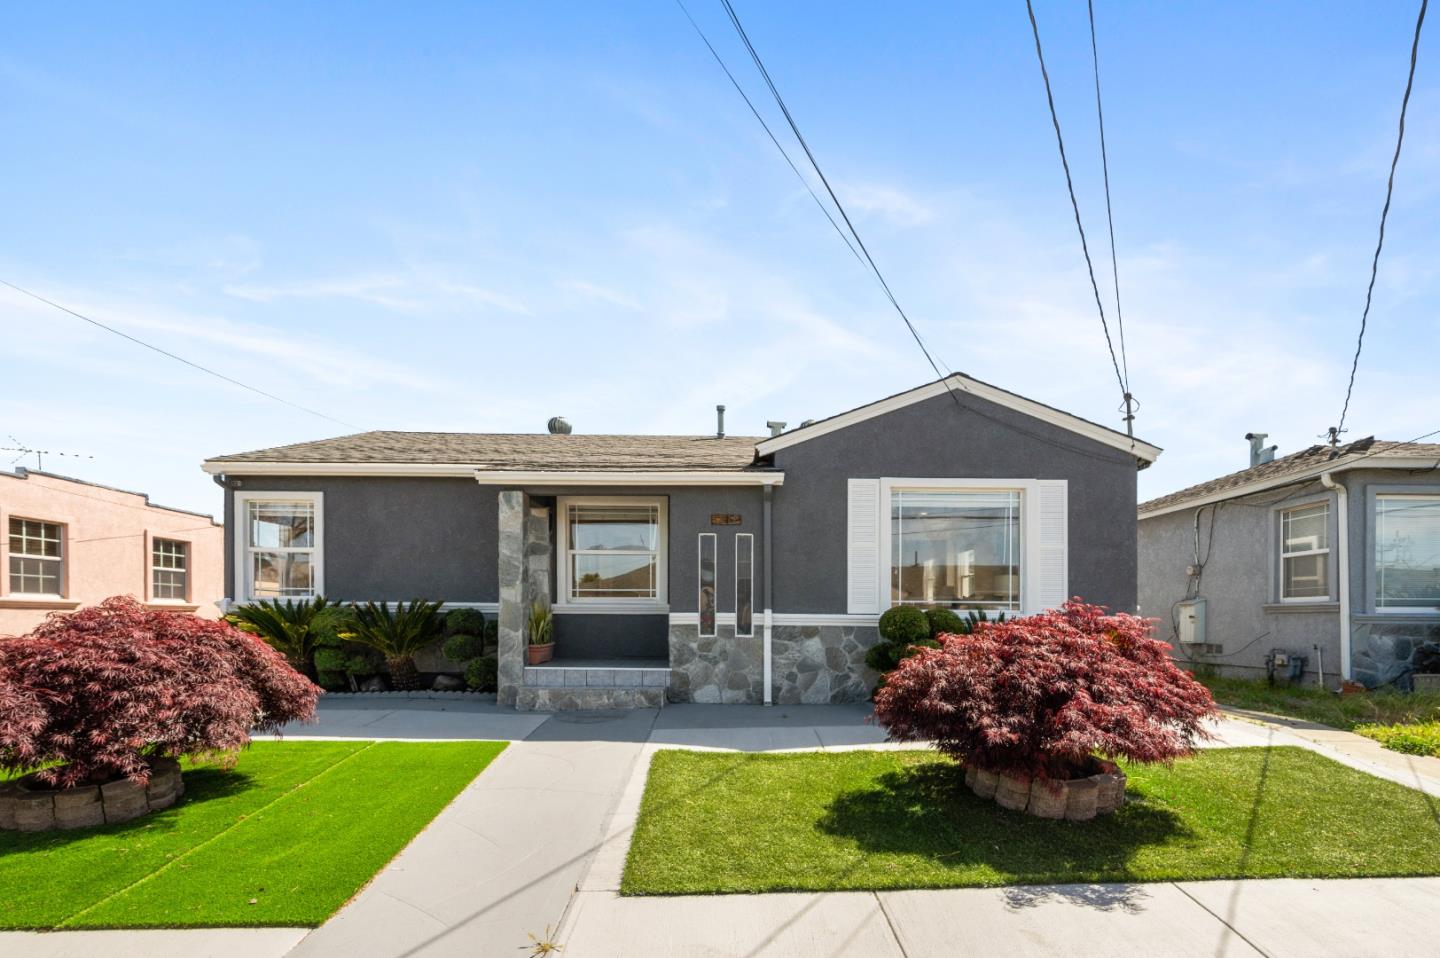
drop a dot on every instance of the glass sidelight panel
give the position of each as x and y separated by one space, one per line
744 584
708 546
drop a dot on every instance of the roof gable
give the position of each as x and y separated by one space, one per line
1143 451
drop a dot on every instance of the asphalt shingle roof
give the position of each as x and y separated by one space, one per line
520 451
1277 472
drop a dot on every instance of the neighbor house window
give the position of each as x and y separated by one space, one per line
1407 553
613 550
955 547
744 584
279 545
37 557
169 570
708 546
1305 553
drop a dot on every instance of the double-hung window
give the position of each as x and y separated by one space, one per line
37 557
1407 553
614 551
279 547
1305 553
169 570
956 547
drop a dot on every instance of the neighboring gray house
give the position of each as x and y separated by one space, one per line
1330 556
708 568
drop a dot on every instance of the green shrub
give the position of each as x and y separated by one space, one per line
492 632
904 625
945 622
901 629
338 659
1418 739
483 674
465 622
462 648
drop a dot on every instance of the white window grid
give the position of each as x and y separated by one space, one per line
169 570
37 557
1302 547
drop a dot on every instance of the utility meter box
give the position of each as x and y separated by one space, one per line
1190 621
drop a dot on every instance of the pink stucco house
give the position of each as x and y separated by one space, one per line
70 543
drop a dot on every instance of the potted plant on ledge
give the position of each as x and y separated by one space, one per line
540 634
1038 708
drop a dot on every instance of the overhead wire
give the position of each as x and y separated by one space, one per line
1109 214
1384 214
1074 203
181 359
766 126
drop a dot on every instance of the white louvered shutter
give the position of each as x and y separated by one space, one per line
1052 558
862 568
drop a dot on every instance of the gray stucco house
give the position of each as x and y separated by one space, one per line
702 568
1329 557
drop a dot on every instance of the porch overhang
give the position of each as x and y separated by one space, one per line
543 477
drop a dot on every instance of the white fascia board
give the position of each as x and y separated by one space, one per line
1142 450
231 468
546 478
1290 479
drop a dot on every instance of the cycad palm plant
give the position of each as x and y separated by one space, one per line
290 627
399 635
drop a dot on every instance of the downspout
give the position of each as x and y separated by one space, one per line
769 586
1342 561
233 527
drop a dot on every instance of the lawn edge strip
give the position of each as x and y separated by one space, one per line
225 831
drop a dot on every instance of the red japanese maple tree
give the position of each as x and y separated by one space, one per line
1042 694
98 690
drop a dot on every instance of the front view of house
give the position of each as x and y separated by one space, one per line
702 568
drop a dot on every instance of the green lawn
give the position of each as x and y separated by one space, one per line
1327 708
1421 738
284 838
726 822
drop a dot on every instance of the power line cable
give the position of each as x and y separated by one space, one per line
1074 204
1384 213
181 359
791 163
1109 214
800 137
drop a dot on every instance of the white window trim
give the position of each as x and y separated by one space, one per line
1375 564
1329 587
1029 490
242 538
64 558
661 602
749 538
151 569
700 582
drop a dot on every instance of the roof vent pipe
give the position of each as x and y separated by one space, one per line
1259 452
775 426
558 426
720 422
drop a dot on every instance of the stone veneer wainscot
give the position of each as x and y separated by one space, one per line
812 665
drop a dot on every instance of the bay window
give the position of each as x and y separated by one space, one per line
279 545
959 548
1407 553
1305 553
613 551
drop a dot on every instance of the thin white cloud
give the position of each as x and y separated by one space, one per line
889 203
602 293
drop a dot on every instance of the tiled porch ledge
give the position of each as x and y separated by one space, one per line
599 673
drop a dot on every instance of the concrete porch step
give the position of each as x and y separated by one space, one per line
598 673
532 698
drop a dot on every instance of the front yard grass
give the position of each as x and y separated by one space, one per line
727 822
283 839
1311 704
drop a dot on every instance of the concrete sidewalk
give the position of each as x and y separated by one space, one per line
1280 918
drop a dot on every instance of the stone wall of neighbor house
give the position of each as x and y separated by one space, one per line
812 664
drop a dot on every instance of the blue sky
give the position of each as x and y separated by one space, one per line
476 216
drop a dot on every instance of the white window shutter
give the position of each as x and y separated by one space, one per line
863 547
1051 556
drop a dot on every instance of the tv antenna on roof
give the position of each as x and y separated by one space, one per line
39 454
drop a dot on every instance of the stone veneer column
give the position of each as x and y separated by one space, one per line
510 626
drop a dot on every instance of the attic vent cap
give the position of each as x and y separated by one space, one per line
558 426
776 426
